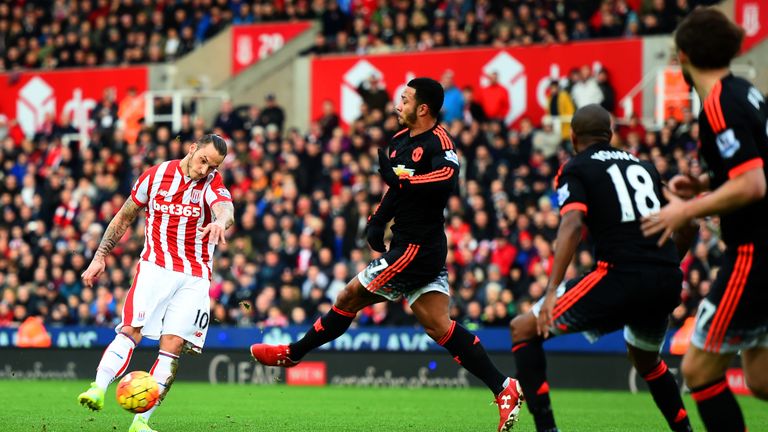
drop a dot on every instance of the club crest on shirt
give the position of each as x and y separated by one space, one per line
196 195
728 144
162 192
417 153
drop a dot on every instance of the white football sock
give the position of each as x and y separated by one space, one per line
164 372
115 360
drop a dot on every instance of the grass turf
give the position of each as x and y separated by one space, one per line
51 406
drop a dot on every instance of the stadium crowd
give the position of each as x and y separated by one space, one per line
302 200
87 33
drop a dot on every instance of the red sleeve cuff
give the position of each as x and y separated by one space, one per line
745 166
136 200
574 206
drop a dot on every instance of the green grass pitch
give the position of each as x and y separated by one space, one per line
51 406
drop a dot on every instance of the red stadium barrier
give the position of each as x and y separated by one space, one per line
523 71
31 96
251 43
752 15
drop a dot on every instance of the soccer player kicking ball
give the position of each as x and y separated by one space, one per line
635 285
421 169
734 144
169 296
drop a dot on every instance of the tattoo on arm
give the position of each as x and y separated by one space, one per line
225 211
117 227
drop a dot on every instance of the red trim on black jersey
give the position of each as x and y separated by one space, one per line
442 174
574 206
445 141
580 290
744 167
394 269
714 110
730 299
400 133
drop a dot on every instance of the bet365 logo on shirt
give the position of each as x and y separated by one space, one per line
176 209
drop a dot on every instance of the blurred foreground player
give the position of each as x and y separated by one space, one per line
169 296
734 145
635 285
424 175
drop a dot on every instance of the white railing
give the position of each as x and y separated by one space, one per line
178 98
656 77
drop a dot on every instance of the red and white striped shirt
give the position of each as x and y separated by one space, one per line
176 207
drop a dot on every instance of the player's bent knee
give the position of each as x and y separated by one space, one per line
523 327
757 383
132 332
643 361
171 343
436 329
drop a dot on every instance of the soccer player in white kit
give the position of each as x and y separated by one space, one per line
188 210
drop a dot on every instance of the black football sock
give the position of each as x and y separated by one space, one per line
532 375
666 394
467 350
326 328
718 408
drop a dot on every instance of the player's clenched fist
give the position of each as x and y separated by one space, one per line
216 232
94 270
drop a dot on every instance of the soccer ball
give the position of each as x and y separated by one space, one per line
137 392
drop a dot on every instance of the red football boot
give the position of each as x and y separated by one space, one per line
510 400
272 355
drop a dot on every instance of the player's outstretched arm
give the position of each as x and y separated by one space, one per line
568 238
114 233
737 192
224 212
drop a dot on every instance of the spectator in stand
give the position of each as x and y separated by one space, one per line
374 95
227 120
329 120
272 113
560 107
584 87
495 99
453 106
546 141
473 111
609 95
130 113
104 115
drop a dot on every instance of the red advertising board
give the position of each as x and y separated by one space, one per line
524 71
736 381
752 15
311 373
30 96
251 43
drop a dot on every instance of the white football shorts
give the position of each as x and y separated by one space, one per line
163 301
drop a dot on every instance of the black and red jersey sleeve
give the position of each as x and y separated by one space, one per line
729 119
571 193
385 211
